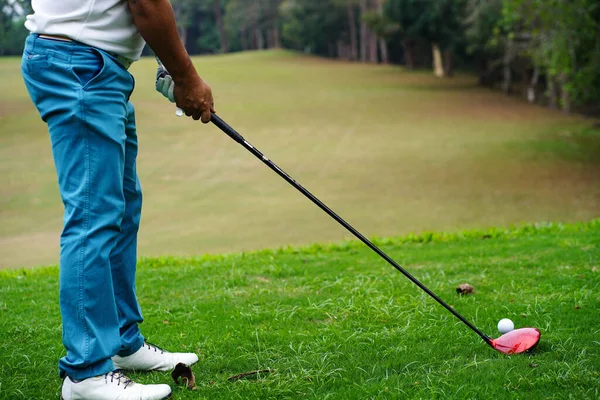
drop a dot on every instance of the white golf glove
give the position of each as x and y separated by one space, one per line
164 83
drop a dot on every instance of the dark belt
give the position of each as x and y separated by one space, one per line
122 59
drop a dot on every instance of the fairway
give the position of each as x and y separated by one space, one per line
391 151
337 322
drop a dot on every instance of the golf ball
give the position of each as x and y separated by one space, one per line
505 325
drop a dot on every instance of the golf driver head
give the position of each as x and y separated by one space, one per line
517 341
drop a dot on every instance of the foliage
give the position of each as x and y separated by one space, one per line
408 14
438 21
558 39
313 25
480 22
12 31
564 40
382 25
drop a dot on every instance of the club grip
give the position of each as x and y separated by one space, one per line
226 128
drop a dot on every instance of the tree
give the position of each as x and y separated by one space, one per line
408 14
481 24
316 26
348 43
255 24
183 13
218 11
562 41
442 28
383 31
12 29
436 23
368 39
383 27
352 32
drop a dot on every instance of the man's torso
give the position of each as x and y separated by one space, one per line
106 24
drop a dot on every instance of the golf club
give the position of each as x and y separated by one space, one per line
515 341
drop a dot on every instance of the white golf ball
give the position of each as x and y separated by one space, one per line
505 325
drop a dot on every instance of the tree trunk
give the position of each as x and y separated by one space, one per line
364 34
219 18
373 56
260 40
276 36
385 58
448 63
524 75
532 89
371 37
409 53
382 42
552 92
485 75
438 67
565 96
352 31
331 50
342 52
508 56
482 71
244 38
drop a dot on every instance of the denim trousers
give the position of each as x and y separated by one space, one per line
82 93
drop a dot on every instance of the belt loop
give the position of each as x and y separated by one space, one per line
71 49
34 41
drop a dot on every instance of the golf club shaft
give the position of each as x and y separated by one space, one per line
240 139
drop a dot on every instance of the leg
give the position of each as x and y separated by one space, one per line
82 95
124 256
134 354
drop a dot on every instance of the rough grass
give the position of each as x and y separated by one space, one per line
392 151
337 322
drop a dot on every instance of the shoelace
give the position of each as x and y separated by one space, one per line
117 375
152 346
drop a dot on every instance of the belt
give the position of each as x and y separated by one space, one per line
56 37
126 62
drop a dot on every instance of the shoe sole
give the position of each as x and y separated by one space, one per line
164 398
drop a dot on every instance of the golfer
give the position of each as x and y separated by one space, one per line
75 68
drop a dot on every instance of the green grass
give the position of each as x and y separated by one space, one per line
580 145
392 151
337 322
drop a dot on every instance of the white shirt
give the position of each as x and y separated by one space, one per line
106 24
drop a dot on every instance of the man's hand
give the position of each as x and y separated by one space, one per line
164 83
194 97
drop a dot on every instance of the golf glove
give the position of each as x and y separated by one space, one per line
164 83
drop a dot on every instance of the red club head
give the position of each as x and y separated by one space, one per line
517 341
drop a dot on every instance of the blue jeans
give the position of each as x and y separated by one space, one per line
82 93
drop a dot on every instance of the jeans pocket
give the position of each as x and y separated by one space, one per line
90 71
35 66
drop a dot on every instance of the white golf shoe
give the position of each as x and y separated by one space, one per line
152 358
112 386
